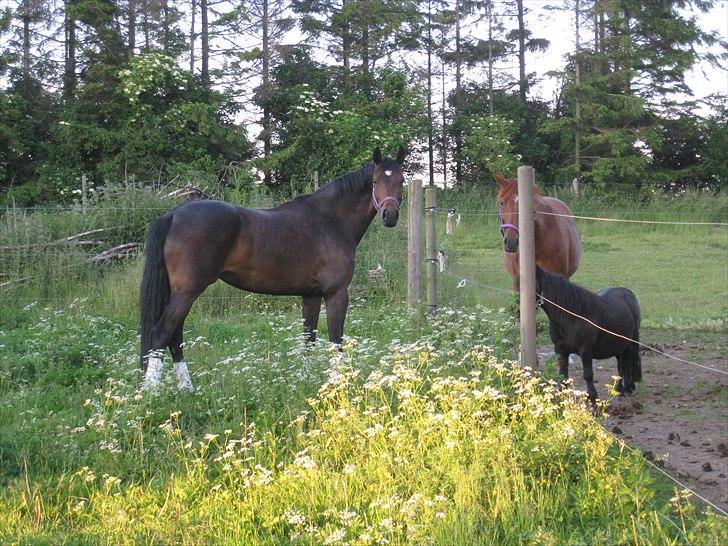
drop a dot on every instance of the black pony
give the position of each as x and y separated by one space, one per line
304 248
614 309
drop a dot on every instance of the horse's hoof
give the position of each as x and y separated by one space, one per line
153 375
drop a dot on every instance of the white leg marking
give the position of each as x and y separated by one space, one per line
184 381
153 377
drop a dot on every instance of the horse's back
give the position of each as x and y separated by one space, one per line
623 298
201 236
563 237
205 218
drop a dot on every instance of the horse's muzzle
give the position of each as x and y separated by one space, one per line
390 216
510 244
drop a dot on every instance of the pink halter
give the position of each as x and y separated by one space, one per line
503 225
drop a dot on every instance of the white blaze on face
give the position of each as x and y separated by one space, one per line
388 173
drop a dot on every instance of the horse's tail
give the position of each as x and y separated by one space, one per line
634 359
154 291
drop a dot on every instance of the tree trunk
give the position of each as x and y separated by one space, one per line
365 58
265 94
346 50
430 120
192 37
627 64
489 14
131 28
522 83
26 39
577 81
458 77
205 53
69 69
165 25
145 24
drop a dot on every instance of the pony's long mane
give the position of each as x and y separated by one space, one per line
567 294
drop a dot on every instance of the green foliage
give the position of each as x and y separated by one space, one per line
28 113
488 149
335 135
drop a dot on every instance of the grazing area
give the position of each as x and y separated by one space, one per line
420 429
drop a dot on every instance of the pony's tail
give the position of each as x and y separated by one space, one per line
154 291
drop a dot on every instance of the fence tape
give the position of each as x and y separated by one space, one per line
633 221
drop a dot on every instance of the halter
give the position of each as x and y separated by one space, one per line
503 225
379 205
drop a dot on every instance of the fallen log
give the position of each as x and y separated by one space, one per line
116 253
190 193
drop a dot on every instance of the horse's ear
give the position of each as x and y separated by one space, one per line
377 156
499 179
401 154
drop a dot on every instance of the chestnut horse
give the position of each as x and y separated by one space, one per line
558 243
305 247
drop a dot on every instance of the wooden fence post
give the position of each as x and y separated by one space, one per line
315 180
575 187
414 243
84 189
527 265
431 243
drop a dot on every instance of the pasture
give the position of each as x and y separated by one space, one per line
420 430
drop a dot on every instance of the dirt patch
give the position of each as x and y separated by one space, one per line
679 415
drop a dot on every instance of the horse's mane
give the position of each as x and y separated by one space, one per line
351 182
573 297
509 187
355 181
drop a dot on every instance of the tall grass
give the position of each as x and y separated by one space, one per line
440 441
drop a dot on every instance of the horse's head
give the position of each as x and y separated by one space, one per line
508 211
387 189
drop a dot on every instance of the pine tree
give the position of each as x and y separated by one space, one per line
639 56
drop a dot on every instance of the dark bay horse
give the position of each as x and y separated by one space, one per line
558 243
304 247
614 309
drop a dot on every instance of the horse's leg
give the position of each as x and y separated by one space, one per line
626 372
184 381
563 364
311 308
173 317
336 304
621 371
586 359
510 259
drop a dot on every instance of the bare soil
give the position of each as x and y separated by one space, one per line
679 415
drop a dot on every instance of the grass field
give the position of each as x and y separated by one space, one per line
419 431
